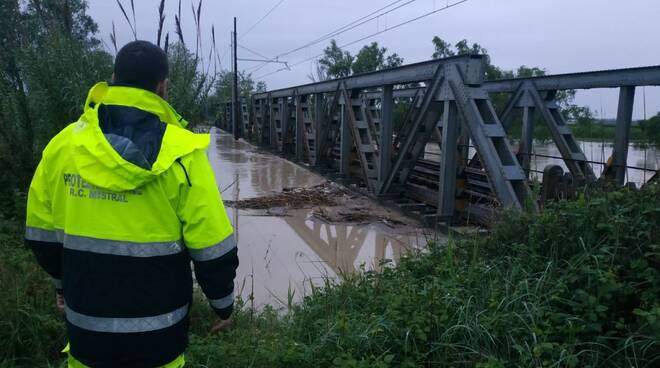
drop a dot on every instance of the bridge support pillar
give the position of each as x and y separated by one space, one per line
622 137
448 161
527 139
317 122
300 125
272 136
386 131
285 117
345 142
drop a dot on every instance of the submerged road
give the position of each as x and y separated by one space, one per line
279 254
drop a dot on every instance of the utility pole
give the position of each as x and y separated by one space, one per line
644 92
236 104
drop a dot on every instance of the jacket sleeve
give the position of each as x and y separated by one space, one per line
208 233
40 233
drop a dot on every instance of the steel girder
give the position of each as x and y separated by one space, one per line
622 136
613 78
487 133
352 111
363 137
416 135
472 65
246 122
570 150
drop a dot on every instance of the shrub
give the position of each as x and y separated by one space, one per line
577 285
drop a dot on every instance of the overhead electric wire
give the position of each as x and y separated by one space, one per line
256 68
369 36
261 19
356 23
262 63
340 30
255 53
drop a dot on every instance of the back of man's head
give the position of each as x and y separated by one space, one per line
141 64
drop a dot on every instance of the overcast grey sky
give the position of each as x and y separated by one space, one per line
561 36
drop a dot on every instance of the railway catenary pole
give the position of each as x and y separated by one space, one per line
235 106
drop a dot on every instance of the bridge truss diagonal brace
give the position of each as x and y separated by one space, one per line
622 135
317 121
386 132
362 135
273 112
448 162
324 122
264 127
300 135
417 135
245 130
570 150
487 133
511 106
285 119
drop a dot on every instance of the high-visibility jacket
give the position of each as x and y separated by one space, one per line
121 202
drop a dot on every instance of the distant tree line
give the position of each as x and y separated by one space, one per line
338 63
651 129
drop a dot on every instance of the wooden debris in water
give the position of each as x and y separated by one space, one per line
324 194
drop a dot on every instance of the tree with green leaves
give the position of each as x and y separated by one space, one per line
443 49
336 63
246 85
651 129
189 88
372 57
50 58
223 90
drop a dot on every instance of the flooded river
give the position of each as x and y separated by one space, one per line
598 151
284 254
279 254
546 153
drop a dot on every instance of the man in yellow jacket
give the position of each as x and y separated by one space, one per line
121 203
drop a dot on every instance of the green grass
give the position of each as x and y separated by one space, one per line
31 331
575 286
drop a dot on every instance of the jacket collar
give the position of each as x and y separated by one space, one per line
97 160
142 99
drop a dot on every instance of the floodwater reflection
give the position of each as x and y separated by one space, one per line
259 173
284 254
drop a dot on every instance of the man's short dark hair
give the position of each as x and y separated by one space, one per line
141 64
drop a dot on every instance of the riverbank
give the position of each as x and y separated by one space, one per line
580 286
591 131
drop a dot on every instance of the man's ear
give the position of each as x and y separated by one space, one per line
161 90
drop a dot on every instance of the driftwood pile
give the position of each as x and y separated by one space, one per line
329 202
324 194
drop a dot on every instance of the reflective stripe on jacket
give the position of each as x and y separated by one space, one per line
121 202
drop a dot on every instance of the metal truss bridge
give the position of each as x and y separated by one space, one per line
346 128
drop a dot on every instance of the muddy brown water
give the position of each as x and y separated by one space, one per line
283 254
647 157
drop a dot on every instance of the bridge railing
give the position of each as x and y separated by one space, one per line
348 126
